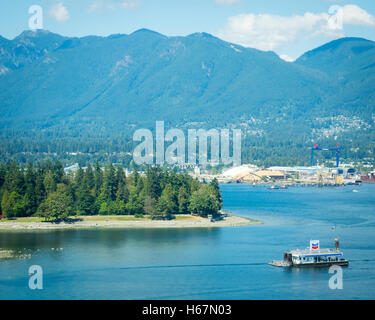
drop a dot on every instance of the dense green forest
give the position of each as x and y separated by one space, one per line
45 190
279 147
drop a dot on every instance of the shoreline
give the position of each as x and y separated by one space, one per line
90 223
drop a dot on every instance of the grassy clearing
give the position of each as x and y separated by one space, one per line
23 219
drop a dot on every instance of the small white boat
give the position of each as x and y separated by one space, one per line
274 187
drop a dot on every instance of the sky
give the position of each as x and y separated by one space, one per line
287 27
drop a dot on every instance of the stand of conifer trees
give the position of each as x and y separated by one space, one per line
46 190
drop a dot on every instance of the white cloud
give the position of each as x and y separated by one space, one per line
59 12
129 4
268 32
101 4
286 58
227 2
355 15
113 4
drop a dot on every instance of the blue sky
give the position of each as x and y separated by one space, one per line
288 27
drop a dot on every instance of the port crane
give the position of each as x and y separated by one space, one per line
317 148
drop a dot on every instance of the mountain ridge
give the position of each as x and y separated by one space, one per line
100 86
170 47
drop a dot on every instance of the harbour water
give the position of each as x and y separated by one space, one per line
215 263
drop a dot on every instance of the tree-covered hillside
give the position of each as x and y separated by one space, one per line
80 99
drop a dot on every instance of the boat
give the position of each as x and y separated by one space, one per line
313 257
284 187
274 187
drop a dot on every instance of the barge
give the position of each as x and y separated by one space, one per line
313 257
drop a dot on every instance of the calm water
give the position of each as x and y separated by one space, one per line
226 263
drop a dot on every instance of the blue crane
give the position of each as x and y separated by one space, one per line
317 148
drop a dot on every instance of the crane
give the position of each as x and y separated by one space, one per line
317 148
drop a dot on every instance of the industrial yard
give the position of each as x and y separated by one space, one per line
315 175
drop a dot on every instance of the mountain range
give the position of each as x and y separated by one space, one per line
65 86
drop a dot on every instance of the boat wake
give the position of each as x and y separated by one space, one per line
194 266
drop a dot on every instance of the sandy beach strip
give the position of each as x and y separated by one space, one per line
6 254
110 222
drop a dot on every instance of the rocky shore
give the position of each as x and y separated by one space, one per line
193 222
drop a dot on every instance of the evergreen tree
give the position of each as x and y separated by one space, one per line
89 178
98 179
109 188
119 207
120 176
40 191
153 178
49 183
140 187
104 208
216 191
58 172
2 174
12 204
135 177
122 192
84 200
167 204
14 178
182 201
134 205
30 198
78 177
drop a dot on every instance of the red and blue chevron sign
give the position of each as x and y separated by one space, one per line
314 244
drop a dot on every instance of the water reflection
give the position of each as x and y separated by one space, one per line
227 263
57 240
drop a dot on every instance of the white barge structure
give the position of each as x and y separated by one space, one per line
313 257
